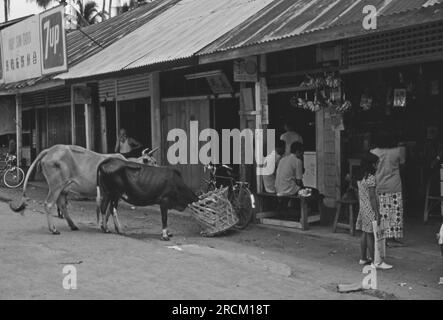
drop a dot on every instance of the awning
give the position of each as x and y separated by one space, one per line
176 34
287 24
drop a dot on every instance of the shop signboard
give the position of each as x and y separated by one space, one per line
53 41
310 175
34 47
21 50
246 70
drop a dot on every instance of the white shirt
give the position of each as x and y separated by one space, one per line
289 170
269 180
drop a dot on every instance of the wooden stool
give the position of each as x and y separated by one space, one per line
349 205
433 201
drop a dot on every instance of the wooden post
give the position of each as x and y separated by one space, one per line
73 124
103 130
258 108
18 127
156 114
304 208
87 127
117 118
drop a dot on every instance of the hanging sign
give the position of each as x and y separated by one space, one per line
53 41
21 50
246 70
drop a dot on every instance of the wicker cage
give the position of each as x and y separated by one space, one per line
214 212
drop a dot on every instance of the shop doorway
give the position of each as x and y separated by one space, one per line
135 117
281 111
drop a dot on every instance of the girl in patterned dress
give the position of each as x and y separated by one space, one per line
369 210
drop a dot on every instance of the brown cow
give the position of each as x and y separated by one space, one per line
67 169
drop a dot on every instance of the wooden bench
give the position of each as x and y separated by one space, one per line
271 217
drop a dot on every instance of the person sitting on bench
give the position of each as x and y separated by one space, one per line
289 179
275 156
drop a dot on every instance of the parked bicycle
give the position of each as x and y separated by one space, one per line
239 195
13 175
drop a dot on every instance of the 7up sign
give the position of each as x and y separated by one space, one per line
52 41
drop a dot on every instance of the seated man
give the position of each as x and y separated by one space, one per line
275 156
289 179
127 146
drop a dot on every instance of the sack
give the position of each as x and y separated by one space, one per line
380 243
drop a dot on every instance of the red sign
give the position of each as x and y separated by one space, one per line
53 41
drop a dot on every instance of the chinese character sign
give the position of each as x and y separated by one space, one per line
53 42
21 50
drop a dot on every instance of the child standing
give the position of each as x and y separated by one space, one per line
369 211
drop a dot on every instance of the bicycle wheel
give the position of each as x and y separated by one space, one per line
13 177
242 204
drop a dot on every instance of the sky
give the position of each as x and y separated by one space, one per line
20 8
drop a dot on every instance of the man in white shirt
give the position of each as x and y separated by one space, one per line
289 179
289 137
275 156
127 146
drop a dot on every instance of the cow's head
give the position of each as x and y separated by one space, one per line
148 157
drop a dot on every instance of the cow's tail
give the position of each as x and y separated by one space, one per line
20 205
99 197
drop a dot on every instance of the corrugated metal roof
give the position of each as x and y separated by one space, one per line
80 47
176 34
290 18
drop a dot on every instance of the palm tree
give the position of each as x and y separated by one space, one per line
42 3
88 13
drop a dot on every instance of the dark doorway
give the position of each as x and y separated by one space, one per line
135 117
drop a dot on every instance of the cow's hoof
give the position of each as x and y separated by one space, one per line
55 232
165 238
170 235
105 230
74 228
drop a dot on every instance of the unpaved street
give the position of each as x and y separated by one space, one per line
257 263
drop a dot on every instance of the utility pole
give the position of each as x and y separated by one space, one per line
6 4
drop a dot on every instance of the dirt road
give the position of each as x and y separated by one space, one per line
255 264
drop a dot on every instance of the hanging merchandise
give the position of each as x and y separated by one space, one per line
399 98
327 93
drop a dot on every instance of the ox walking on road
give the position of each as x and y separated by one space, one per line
67 169
140 185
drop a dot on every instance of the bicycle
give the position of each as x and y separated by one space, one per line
13 175
241 198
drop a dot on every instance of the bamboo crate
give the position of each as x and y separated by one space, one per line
214 212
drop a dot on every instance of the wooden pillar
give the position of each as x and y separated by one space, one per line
88 127
103 130
117 119
156 115
320 148
18 126
73 124
259 99
38 146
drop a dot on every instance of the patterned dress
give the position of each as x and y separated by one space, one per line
391 214
366 214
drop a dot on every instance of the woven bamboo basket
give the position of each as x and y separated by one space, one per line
214 212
